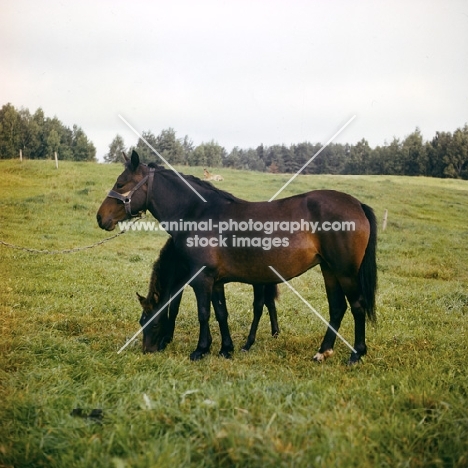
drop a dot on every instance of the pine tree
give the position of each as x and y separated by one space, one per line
116 148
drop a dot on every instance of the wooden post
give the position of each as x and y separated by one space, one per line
384 225
56 159
21 155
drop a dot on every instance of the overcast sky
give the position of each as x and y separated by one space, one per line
239 72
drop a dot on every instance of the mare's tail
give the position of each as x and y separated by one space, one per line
368 269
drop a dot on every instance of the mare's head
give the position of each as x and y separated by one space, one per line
127 198
154 334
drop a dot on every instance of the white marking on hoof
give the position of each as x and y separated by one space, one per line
320 357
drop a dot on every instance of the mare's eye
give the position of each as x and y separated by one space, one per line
119 186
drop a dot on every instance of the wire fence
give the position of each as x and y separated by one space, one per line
65 251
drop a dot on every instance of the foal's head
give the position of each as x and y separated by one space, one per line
154 336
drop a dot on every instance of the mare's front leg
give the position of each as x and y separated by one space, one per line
219 305
203 288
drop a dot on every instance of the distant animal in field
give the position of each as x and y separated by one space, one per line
210 176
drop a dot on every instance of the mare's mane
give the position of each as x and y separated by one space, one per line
197 183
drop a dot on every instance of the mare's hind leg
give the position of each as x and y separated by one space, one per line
219 304
258 303
337 308
356 301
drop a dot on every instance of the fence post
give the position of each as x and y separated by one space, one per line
21 155
56 159
384 225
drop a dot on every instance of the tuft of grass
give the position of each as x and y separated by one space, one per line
64 317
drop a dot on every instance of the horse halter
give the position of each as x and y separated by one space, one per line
126 198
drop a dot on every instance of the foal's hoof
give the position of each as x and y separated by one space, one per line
320 357
197 355
164 342
226 351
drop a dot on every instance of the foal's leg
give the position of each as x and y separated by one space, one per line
263 295
258 303
170 325
270 296
203 290
337 308
219 304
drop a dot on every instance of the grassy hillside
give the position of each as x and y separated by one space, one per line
63 318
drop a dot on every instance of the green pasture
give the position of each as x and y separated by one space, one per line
63 318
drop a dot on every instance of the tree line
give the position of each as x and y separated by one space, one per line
38 136
445 155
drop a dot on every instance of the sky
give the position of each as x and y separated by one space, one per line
241 73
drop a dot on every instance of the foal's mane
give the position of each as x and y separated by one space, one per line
161 269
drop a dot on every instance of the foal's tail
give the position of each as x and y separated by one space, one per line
271 292
368 269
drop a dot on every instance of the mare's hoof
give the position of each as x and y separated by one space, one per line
354 359
320 357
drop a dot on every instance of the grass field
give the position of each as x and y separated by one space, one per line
63 318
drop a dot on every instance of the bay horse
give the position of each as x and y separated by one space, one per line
347 257
209 176
168 276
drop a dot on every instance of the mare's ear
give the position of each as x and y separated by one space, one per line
141 298
125 156
135 160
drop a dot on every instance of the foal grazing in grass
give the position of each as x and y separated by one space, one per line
169 275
